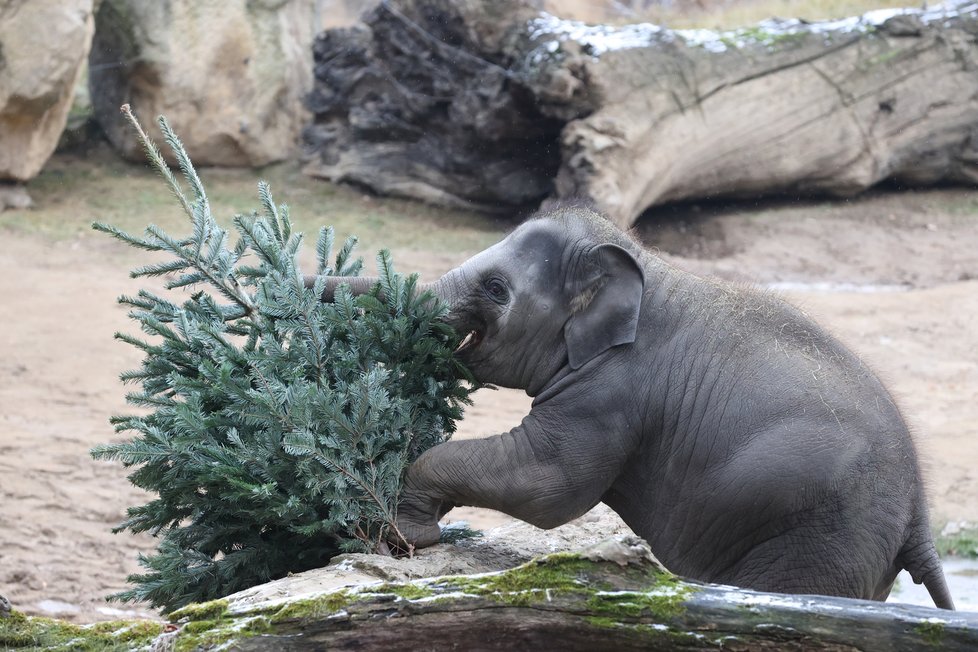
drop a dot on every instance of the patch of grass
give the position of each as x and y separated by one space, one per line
74 190
963 543
965 206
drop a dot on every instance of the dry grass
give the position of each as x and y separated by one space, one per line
712 13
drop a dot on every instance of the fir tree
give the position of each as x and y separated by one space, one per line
276 428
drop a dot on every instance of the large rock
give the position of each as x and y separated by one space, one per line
229 76
43 45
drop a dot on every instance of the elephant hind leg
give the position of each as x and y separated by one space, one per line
811 560
886 584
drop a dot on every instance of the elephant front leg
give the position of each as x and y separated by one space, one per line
543 478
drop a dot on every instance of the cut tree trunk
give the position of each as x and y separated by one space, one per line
612 596
492 104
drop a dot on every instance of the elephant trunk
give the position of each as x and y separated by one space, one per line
448 289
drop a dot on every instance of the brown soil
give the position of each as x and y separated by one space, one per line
915 253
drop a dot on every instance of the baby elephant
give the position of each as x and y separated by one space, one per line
743 442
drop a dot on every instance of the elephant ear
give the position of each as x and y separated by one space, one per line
606 300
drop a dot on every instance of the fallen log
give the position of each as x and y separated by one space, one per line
494 105
611 596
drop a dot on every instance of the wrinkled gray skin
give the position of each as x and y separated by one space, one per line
743 442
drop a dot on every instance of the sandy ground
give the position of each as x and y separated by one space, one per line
893 275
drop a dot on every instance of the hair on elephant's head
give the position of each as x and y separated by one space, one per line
560 290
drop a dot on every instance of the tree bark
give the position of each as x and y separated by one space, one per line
491 104
613 596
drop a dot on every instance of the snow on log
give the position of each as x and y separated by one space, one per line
494 105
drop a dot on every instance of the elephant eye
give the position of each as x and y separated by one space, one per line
496 290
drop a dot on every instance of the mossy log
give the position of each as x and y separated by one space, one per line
492 104
613 596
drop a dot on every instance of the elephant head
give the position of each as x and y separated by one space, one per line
556 292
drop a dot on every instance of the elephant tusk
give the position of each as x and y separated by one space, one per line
465 342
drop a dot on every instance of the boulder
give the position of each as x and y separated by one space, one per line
230 76
14 195
43 45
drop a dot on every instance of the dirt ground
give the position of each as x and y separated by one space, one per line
895 275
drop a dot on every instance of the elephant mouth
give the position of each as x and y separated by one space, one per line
469 342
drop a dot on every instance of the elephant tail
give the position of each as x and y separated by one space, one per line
919 557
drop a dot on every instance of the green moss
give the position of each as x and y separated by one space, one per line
544 579
565 573
209 624
662 603
932 631
659 636
748 36
207 634
20 632
769 38
201 611
405 591
314 607
554 574
604 621
883 58
200 626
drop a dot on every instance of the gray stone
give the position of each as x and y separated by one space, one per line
14 196
230 77
43 46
